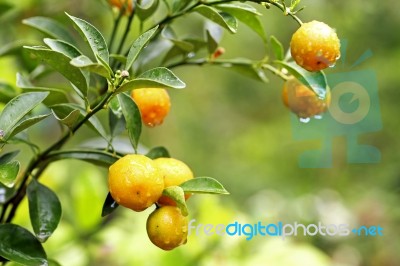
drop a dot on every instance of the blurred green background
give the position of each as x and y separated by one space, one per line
237 130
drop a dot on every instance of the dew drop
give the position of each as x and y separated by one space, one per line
191 55
304 120
319 116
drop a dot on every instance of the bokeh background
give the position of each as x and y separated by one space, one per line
237 130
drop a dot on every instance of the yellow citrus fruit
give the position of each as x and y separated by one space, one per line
135 182
154 105
167 228
315 46
175 172
120 4
302 101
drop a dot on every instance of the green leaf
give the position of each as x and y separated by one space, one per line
223 19
61 63
158 152
93 37
19 245
179 5
315 80
49 27
246 68
138 45
44 210
6 193
146 8
132 117
17 108
64 110
25 84
203 185
26 123
9 172
13 48
7 157
169 34
277 48
69 120
159 77
176 194
6 92
246 14
62 47
212 44
96 157
116 123
83 62
109 206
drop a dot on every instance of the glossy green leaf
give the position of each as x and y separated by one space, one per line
26 123
159 77
138 45
109 206
83 62
146 8
6 92
67 119
19 245
62 47
277 48
246 68
61 63
93 37
53 263
246 14
132 117
9 172
7 157
158 152
119 58
315 80
96 157
203 185
17 108
169 34
176 194
44 210
223 19
50 27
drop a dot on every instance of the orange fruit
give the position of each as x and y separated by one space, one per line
302 101
121 4
175 172
167 228
135 182
154 105
315 46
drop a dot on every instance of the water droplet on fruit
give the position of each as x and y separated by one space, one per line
304 120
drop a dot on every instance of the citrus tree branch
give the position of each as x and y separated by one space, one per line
42 157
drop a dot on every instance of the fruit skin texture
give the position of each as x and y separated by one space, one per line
154 105
135 182
120 4
315 46
167 228
302 101
175 172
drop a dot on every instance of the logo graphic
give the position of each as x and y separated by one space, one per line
354 110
